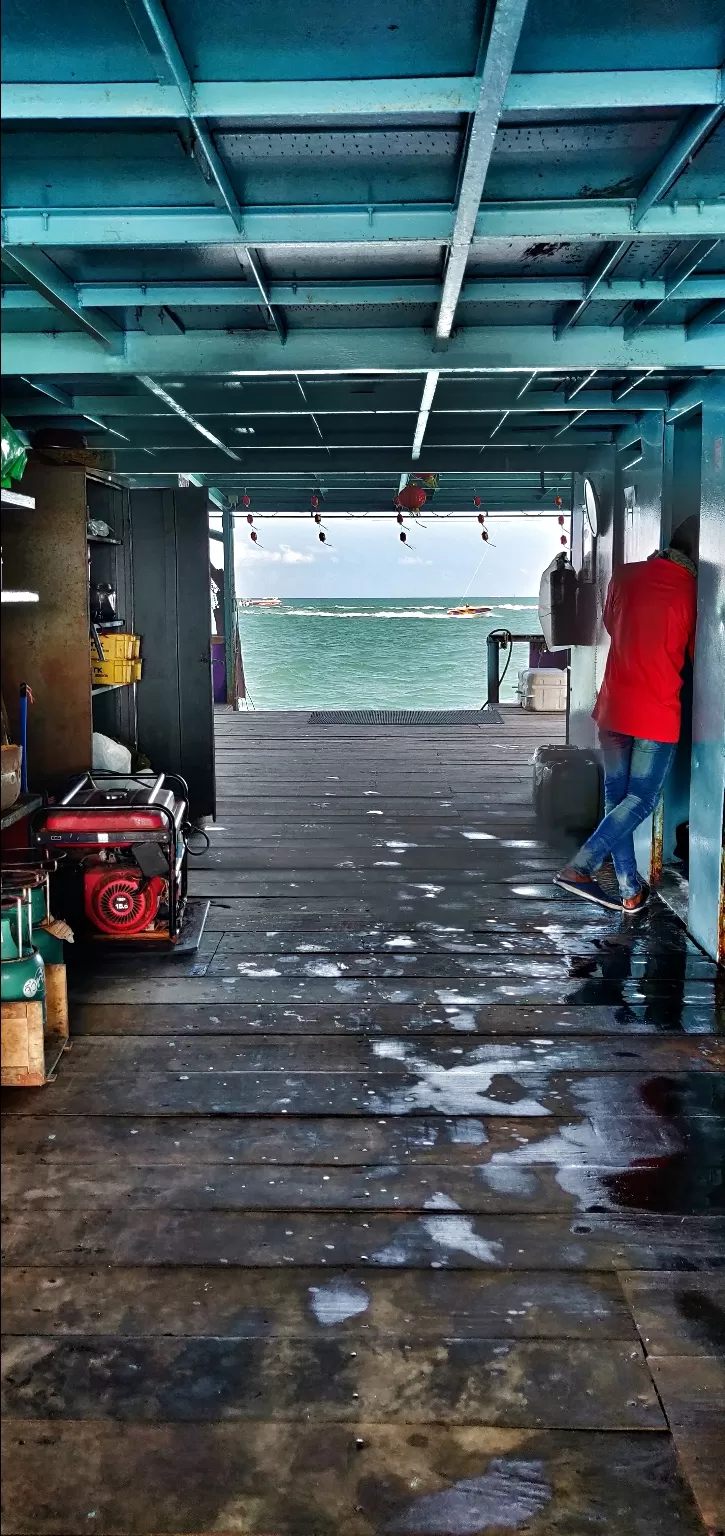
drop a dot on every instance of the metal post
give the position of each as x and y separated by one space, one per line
230 606
493 646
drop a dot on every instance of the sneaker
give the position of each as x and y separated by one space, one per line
589 889
637 902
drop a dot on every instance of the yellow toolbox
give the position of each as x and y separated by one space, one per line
118 646
112 671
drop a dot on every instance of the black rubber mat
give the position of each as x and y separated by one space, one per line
405 717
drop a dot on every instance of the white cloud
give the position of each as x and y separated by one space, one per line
295 556
284 556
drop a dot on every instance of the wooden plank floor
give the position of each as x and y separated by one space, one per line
398 1208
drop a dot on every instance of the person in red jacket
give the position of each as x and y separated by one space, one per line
650 614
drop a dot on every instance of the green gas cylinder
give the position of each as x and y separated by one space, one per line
22 990
42 932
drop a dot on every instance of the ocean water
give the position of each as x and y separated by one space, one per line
377 653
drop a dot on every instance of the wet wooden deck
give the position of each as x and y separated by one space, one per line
398 1208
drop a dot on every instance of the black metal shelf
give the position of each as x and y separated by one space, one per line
24 806
109 687
17 499
97 538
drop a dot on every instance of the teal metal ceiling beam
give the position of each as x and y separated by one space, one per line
43 277
620 89
178 410
629 385
316 461
602 267
685 146
628 435
158 24
498 47
689 397
151 18
216 497
581 219
568 424
704 318
484 290
71 406
276 100
500 394
579 384
679 267
386 350
251 260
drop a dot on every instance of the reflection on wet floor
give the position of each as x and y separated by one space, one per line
399 1207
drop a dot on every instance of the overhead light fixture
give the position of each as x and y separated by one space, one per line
249 430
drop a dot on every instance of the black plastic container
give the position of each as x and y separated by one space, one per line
567 790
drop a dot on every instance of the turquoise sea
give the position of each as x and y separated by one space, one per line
352 653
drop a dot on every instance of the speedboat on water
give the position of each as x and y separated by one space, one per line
466 611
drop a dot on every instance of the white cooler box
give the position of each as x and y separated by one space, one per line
542 688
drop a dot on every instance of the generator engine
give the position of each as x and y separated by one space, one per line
119 899
124 835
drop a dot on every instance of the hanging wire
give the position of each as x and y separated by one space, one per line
473 578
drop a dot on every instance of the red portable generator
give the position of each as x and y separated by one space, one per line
126 836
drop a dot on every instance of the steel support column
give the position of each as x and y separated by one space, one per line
707 786
230 605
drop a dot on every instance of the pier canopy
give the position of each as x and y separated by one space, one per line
266 244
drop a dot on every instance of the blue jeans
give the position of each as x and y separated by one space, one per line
634 772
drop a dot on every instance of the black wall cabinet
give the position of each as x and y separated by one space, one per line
171 611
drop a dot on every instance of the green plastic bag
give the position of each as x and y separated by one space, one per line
14 456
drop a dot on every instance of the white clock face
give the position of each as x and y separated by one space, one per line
590 507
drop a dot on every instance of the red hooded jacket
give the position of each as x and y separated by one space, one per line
650 614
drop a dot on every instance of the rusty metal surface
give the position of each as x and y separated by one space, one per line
46 643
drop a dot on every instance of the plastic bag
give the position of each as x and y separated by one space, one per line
14 455
110 756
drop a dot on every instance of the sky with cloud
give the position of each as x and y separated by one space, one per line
366 559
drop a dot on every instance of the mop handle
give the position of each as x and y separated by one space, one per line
25 696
